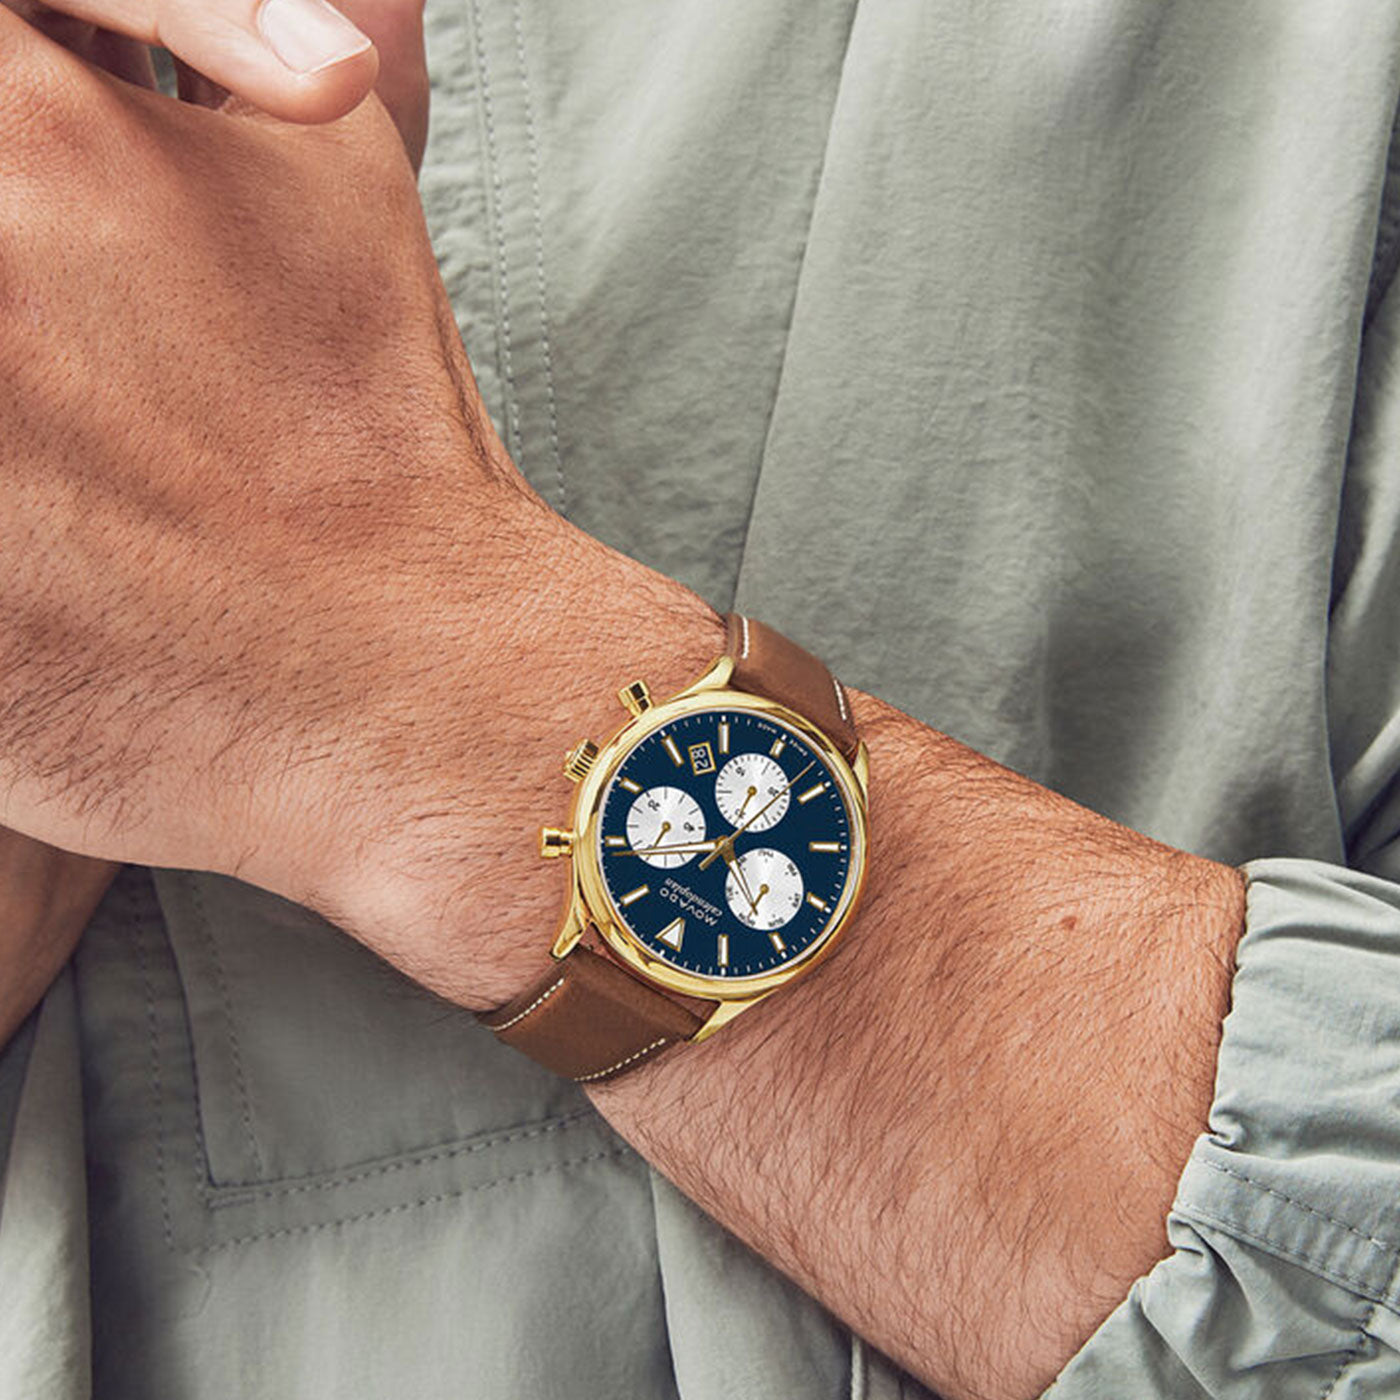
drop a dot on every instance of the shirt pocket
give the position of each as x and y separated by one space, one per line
312 1058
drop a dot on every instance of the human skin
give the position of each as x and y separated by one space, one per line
300 60
48 895
280 606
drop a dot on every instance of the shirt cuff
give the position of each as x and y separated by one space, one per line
1284 1280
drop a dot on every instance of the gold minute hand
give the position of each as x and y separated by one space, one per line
727 842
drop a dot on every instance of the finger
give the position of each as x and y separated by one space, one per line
122 57
300 60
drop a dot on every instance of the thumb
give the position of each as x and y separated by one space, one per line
300 60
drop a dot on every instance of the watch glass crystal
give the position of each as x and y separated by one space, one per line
725 844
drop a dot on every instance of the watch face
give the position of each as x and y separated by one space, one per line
725 844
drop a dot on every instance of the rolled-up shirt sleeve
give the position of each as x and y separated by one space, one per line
1285 1231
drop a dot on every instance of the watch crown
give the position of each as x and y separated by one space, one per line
579 760
636 697
555 842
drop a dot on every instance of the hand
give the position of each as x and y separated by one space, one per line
47 895
197 496
301 60
267 563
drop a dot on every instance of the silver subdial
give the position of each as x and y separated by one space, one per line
747 784
764 889
662 817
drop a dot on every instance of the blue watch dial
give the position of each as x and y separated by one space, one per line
724 842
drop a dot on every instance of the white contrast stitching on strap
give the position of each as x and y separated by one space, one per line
744 628
540 1000
635 1055
840 699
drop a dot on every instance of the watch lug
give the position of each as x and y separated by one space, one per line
722 1015
717 676
860 766
570 933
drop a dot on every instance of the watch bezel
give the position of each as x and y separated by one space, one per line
590 889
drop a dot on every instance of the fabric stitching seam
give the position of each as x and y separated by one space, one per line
240 1083
840 699
635 1055
157 1091
408 1163
533 162
1293 1201
538 1001
498 219
1240 1232
437 1199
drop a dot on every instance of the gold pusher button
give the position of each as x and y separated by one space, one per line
579 760
555 842
636 697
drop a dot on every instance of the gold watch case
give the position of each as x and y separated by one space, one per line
589 903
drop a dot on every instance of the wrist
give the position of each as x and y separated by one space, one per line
442 874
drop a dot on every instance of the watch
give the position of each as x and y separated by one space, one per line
717 844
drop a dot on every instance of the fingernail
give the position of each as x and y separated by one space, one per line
308 35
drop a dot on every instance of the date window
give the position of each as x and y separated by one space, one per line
702 759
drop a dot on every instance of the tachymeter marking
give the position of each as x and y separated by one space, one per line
749 783
665 816
764 889
815 837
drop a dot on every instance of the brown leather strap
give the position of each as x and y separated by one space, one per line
767 663
589 1018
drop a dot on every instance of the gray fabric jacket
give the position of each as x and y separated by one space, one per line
1037 365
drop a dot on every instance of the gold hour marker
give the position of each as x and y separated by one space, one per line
673 933
669 744
724 736
832 846
629 785
778 746
818 903
614 840
778 942
632 896
723 953
811 792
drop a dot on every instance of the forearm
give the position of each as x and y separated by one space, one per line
963 1133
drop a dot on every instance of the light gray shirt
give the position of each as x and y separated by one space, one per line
1036 364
